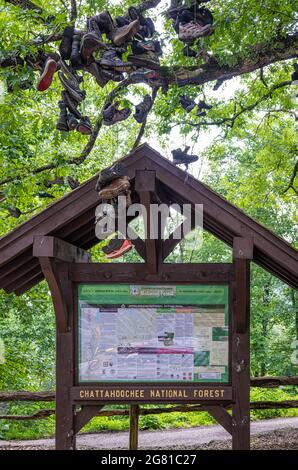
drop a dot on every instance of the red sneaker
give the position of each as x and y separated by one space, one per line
117 247
47 74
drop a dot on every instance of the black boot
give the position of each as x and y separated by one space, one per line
62 124
188 52
294 75
66 42
180 157
187 103
75 57
143 108
71 104
201 107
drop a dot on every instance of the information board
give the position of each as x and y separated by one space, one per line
153 333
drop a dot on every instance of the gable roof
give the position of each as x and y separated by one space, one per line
71 218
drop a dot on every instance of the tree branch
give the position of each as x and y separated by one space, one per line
25 5
292 180
259 56
142 128
73 11
231 120
87 149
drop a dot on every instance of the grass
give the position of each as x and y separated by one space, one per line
35 429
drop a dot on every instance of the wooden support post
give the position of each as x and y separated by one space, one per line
133 427
145 185
55 257
242 254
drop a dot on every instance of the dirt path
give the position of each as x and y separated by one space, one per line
190 438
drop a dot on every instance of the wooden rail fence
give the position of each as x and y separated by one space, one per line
260 382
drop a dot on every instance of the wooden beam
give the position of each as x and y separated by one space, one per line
83 417
144 185
50 271
133 427
215 273
53 247
221 415
240 346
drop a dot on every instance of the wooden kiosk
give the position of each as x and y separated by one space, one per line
53 245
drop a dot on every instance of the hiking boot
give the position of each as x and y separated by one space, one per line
148 60
187 103
117 247
72 122
201 107
143 109
150 77
75 56
294 75
103 76
14 212
71 104
47 74
62 124
109 174
120 36
141 47
84 126
66 42
74 91
112 114
180 157
90 43
203 16
147 28
191 31
188 52
114 188
111 60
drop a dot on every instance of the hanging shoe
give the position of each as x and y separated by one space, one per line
62 124
294 75
188 52
147 28
72 122
91 42
180 157
47 74
120 36
203 16
142 109
112 114
151 77
103 76
66 42
147 60
84 126
71 104
187 103
115 188
111 60
141 47
74 91
72 183
117 247
191 31
109 174
75 57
